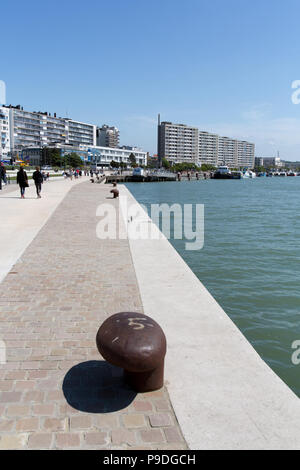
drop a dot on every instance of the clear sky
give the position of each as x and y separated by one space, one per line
225 66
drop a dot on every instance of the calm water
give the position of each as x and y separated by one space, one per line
251 258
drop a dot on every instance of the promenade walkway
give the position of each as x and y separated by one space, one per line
56 392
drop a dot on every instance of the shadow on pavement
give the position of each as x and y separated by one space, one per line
96 387
16 197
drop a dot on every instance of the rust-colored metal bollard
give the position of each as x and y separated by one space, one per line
136 343
115 193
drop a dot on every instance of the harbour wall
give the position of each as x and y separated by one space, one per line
224 395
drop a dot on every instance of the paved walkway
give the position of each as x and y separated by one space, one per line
21 222
55 390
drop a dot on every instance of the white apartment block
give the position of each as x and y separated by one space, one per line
208 148
38 129
216 150
4 133
179 143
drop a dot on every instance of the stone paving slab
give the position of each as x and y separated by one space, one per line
56 392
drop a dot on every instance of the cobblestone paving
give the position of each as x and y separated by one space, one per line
56 392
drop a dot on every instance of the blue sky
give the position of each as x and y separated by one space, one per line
225 66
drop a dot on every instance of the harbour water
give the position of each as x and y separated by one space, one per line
250 261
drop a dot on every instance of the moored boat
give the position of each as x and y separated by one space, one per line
223 173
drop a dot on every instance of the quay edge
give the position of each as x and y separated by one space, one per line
224 395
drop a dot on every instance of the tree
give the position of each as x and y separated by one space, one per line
55 157
114 164
51 156
185 167
166 164
132 160
207 167
260 169
73 160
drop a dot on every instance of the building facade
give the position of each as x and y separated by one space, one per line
39 129
179 143
108 136
269 162
102 156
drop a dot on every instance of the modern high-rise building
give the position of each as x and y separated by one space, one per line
39 129
179 143
108 136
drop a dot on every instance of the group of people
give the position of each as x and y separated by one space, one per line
38 178
73 173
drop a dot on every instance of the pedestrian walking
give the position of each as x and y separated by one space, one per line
2 173
38 181
22 181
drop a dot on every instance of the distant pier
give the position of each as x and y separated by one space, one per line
147 177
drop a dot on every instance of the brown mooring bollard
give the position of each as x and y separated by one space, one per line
136 343
115 193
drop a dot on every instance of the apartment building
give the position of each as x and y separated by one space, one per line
208 148
108 136
179 143
40 129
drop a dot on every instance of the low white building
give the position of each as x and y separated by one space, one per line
105 155
102 156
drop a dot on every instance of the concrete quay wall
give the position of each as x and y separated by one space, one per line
224 395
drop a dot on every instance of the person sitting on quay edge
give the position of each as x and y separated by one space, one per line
22 181
38 181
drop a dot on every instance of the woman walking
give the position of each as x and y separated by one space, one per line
22 180
38 181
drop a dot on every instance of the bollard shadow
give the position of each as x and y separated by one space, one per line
97 387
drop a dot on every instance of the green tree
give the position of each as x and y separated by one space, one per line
132 160
50 156
260 169
73 160
166 164
185 167
55 157
114 164
207 167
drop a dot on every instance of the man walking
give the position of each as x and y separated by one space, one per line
38 181
2 174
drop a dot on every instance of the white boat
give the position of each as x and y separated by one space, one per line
249 174
138 172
